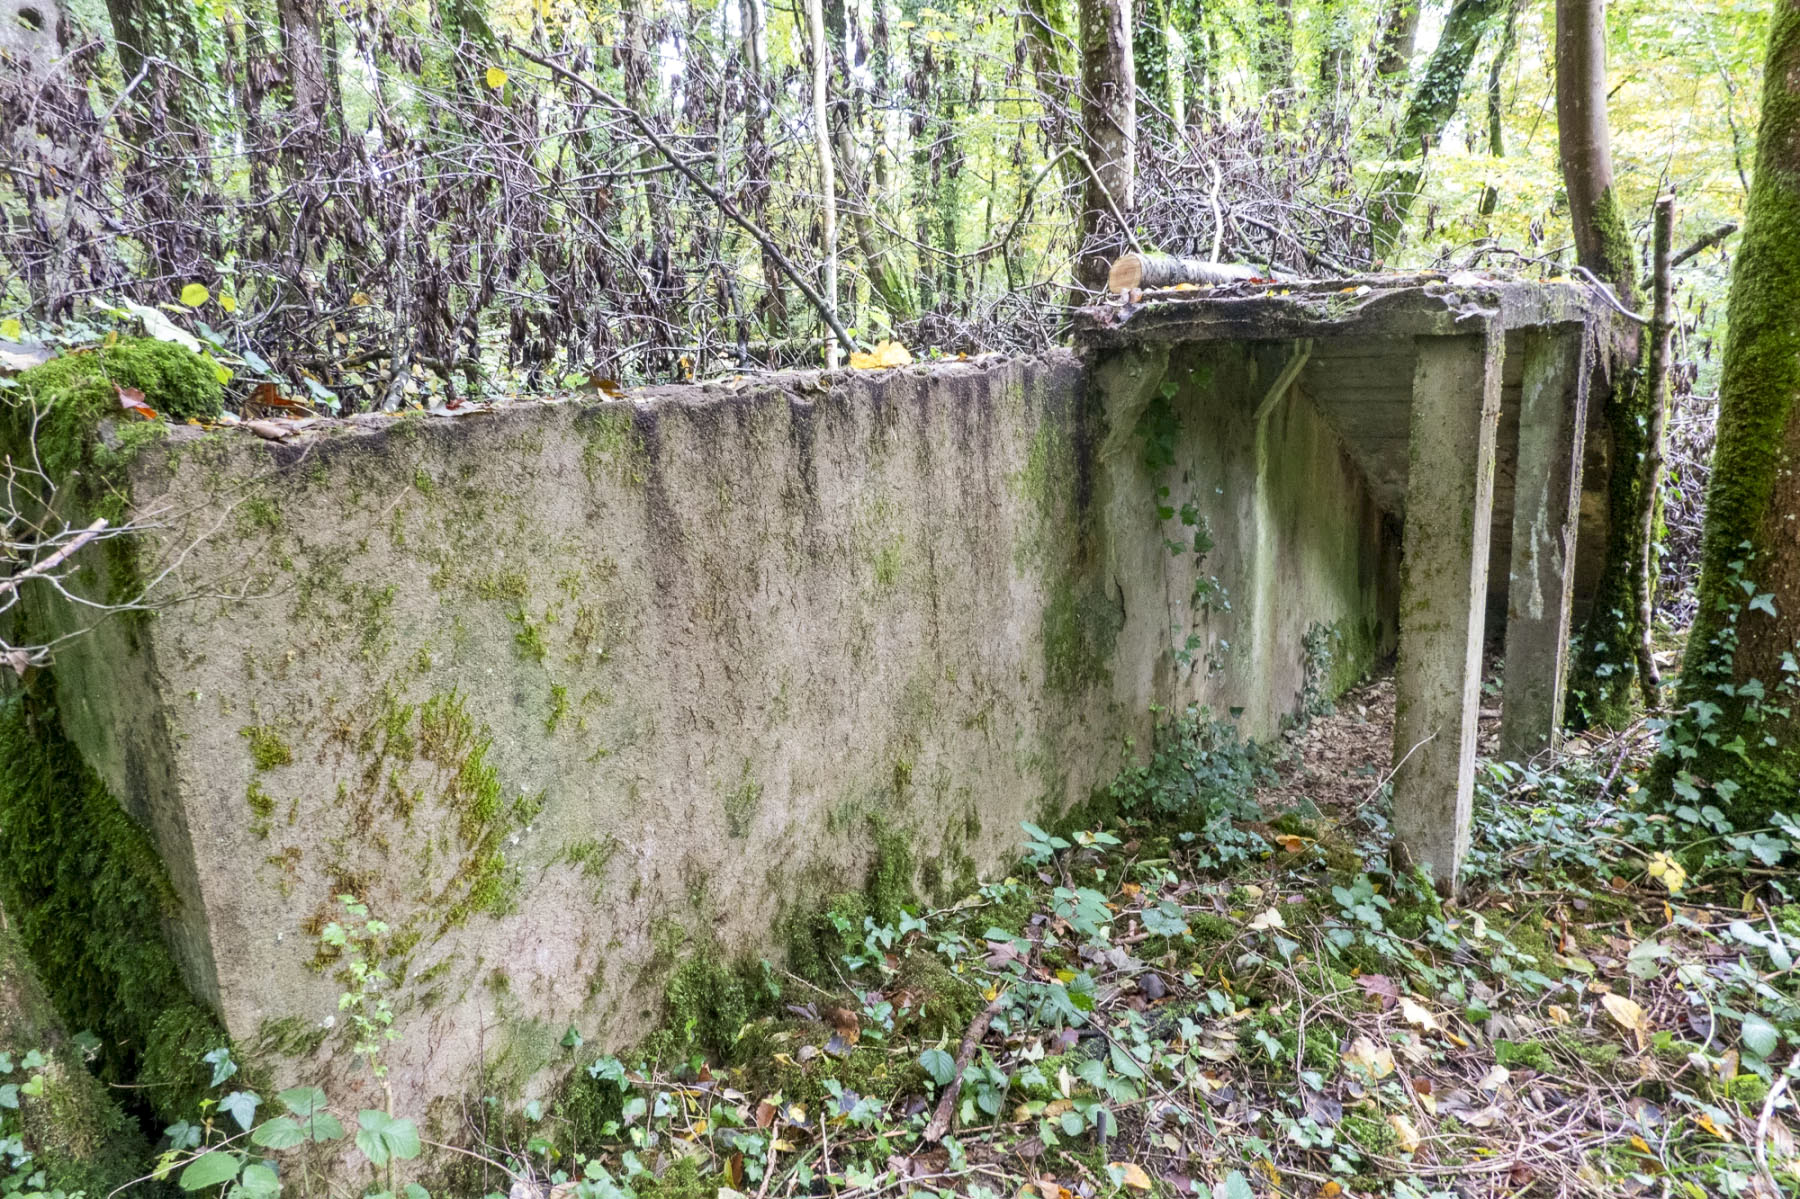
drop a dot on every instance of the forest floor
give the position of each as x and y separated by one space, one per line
1195 995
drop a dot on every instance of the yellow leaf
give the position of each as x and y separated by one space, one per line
11 329
194 295
1406 1137
496 78
1558 1015
1418 1015
1331 1190
361 300
1365 1055
885 354
1132 1175
227 301
1705 1121
1628 1014
1667 871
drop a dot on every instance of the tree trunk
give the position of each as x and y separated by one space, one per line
1430 109
1656 383
1399 34
1584 141
1108 136
821 51
1273 46
1738 736
1334 54
1603 675
303 60
164 120
1509 40
1153 71
55 149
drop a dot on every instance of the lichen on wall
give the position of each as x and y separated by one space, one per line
599 704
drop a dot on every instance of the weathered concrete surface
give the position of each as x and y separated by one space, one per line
1443 586
1546 510
569 693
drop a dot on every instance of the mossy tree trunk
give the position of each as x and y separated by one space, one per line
1427 112
1399 33
1739 730
1603 676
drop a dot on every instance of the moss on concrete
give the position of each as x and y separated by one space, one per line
89 898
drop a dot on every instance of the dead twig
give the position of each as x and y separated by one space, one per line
946 1108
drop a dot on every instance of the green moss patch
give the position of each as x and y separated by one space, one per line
90 899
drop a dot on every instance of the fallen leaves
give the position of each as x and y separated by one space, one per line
1627 1014
1406 1137
1376 1061
884 355
1668 872
1268 919
1130 1174
133 401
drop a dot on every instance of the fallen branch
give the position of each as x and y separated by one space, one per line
54 560
1706 243
946 1108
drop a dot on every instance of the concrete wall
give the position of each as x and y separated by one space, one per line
571 692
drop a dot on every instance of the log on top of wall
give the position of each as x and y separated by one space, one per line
1134 271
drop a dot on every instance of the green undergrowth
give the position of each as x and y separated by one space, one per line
89 900
1188 953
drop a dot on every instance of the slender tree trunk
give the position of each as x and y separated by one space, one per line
1430 109
1656 382
1604 673
1153 70
821 50
1334 53
1496 112
1738 737
1108 135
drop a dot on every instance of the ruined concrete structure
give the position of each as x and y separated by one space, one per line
571 693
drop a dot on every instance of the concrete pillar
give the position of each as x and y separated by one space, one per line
1443 575
1546 511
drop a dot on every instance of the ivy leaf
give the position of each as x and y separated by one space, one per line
1760 1037
383 1138
242 1105
939 1065
303 1102
209 1170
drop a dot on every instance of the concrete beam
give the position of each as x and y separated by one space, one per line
1546 511
1443 576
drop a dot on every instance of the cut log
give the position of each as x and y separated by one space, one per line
1164 270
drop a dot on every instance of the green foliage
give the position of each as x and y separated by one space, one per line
1199 780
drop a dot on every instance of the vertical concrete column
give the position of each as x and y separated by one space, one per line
1546 510
1443 575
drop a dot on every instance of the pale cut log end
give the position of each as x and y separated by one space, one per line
1127 272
